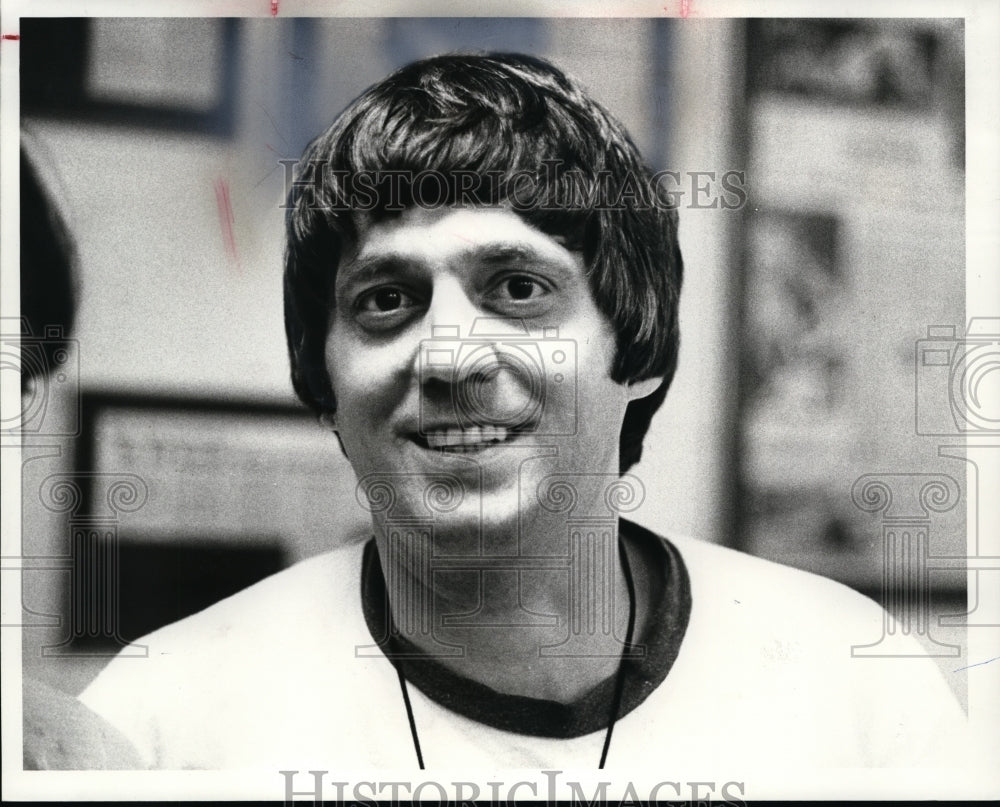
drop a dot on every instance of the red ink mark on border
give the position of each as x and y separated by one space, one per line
274 8
12 37
685 9
226 220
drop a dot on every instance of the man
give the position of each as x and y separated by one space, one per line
481 295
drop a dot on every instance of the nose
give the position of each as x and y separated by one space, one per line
467 368
450 319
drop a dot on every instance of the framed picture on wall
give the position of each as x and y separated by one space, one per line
184 502
161 73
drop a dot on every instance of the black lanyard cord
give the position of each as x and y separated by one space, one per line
620 678
616 700
409 716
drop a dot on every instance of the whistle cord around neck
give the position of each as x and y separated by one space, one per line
409 716
616 699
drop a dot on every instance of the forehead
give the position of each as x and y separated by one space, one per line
436 236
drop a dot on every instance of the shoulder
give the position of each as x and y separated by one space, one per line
280 608
798 644
217 663
303 597
765 613
782 621
726 580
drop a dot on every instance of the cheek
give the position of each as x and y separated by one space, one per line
596 356
601 400
368 380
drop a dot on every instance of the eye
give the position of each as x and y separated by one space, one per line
384 307
383 300
521 287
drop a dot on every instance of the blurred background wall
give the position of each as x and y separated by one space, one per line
162 141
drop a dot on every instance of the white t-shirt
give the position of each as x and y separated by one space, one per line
271 679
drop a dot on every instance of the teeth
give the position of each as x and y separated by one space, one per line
472 436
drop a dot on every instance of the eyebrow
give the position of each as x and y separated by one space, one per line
508 253
483 254
360 268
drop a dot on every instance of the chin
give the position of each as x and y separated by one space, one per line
479 524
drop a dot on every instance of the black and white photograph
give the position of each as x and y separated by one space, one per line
511 403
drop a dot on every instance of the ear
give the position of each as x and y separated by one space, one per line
640 389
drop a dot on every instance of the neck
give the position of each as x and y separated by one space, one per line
538 608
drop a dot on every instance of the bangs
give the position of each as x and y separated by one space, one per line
457 134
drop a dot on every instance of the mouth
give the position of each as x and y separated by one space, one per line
467 439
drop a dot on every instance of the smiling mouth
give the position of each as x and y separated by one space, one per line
467 440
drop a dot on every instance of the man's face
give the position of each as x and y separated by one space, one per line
465 343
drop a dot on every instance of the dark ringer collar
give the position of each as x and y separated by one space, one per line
669 612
